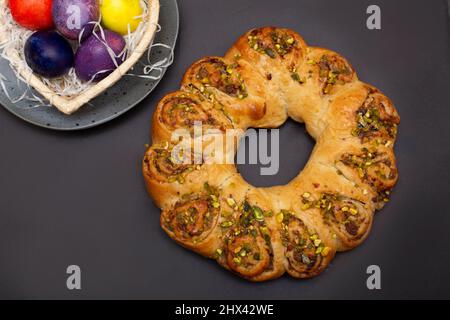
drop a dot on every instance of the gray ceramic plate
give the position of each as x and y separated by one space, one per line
117 100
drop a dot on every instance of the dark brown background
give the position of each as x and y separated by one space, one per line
78 198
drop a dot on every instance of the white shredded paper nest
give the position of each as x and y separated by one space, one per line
12 42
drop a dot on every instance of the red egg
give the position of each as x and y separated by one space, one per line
32 14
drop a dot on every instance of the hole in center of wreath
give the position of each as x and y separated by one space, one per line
268 157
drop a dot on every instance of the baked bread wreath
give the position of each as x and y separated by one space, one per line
270 74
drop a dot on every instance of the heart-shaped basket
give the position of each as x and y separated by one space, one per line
70 104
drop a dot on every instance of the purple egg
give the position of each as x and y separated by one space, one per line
93 61
73 16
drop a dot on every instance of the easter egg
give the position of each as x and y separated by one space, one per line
48 54
32 14
93 61
117 15
73 16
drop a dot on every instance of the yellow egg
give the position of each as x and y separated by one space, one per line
118 14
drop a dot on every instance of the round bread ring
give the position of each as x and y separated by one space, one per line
270 74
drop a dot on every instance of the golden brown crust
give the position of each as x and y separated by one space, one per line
167 179
180 110
307 251
194 221
230 86
270 74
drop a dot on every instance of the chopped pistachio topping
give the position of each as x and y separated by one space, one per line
369 122
226 224
170 168
336 209
317 242
278 43
333 70
216 204
280 217
325 251
237 260
296 77
290 40
367 159
224 77
231 202
306 206
319 250
258 213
